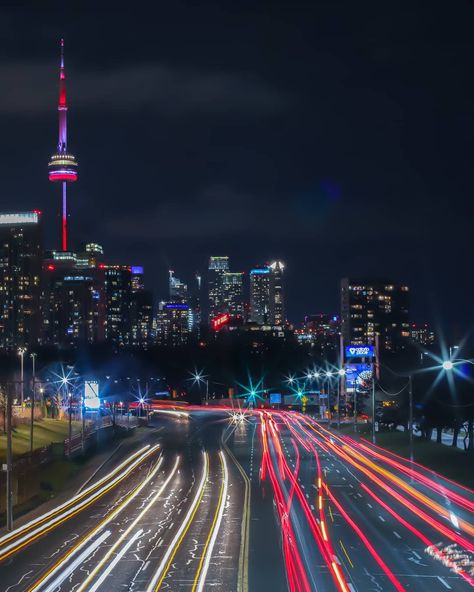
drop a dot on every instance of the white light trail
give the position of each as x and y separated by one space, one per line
207 559
68 571
43 528
184 525
124 535
60 564
116 559
15 533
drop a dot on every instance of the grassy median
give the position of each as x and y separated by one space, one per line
45 432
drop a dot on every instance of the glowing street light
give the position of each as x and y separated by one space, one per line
342 372
447 365
328 374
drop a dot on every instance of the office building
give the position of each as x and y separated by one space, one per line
141 310
178 290
20 275
260 290
233 291
118 303
422 334
277 300
371 307
173 324
73 304
218 266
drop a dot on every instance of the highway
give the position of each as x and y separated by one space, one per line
255 501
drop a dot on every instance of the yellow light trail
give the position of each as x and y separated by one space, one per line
164 566
203 567
60 563
85 585
42 529
4 540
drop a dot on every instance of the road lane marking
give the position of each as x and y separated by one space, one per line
382 518
242 583
346 554
68 509
165 564
216 524
116 559
78 561
111 516
397 535
123 536
444 582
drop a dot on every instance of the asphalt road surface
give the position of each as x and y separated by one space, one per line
212 500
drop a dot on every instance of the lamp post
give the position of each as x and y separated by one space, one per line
33 361
70 425
21 353
9 467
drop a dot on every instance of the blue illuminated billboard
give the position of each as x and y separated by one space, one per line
360 351
275 398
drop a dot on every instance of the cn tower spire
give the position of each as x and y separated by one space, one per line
62 166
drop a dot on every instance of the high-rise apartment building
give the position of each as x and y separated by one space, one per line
260 282
173 324
218 266
371 307
277 300
118 303
178 290
233 291
20 273
141 310
73 304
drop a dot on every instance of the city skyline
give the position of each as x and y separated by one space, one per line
255 200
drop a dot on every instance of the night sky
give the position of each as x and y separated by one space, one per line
336 136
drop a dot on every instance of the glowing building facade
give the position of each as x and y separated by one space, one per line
20 275
375 307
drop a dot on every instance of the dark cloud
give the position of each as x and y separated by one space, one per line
156 87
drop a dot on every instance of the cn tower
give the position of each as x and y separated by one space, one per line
62 167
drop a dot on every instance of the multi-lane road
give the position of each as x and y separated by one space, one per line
248 502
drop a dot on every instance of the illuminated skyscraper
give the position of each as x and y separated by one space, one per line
277 300
63 166
20 272
260 295
141 310
178 290
173 324
233 291
371 307
218 266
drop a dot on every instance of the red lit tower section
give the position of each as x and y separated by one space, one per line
62 167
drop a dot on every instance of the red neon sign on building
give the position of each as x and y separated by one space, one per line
220 321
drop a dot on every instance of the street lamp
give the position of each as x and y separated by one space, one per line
33 360
447 365
198 378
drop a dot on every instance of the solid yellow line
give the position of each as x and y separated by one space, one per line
93 531
198 573
183 534
345 552
68 517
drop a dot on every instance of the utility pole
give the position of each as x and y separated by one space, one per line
375 372
21 353
410 415
70 425
9 467
33 360
342 377
83 435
